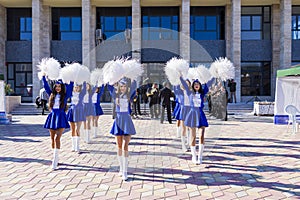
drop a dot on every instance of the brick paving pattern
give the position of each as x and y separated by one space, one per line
242 160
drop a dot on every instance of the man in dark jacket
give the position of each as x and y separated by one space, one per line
153 94
164 97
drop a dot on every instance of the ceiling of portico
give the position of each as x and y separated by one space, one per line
118 3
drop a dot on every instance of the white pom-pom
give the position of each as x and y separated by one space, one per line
222 69
133 69
192 74
97 77
75 72
214 68
113 71
172 75
176 67
40 75
227 70
50 67
83 75
203 73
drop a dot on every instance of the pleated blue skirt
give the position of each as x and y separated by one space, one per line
196 118
88 109
97 110
57 119
177 112
123 125
76 113
184 111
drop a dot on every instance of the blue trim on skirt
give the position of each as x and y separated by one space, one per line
88 109
196 118
97 110
76 113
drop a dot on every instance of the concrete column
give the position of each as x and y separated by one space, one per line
93 38
275 45
285 33
185 41
3 28
235 43
136 36
40 40
228 31
88 36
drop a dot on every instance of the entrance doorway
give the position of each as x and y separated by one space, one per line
19 76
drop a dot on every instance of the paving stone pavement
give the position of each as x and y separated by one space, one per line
243 159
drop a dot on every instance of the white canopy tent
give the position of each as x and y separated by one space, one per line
287 93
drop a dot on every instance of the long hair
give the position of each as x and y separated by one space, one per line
200 88
119 94
62 96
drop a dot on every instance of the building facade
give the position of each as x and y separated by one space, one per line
259 37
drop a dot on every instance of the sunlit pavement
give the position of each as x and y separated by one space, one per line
243 159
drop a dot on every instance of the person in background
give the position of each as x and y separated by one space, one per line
153 94
44 97
232 89
165 95
136 104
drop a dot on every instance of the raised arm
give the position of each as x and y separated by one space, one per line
46 86
100 93
83 91
69 89
205 89
112 91
186 87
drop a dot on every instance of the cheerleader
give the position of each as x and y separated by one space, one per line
76 115
88 110
123 126
97 108
178 113
185 136
57 121
195 117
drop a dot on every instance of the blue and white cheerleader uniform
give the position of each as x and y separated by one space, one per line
76 111
88 104
123 124
179 102
96 101
195 117
57 118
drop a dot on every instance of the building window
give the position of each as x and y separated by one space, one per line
19 24
160 23
19 76
66 24
207 23
113 22
256 23
296 22
256 79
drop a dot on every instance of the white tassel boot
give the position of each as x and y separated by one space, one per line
55 159
77 149
125 167
200 155
183 145
120 159
73 143
194 157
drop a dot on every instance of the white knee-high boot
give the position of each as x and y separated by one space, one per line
73 143
183 145
77 149
125 168
87 135
55 159
200 155
179 130
194 157
95 131
188 139
120 159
